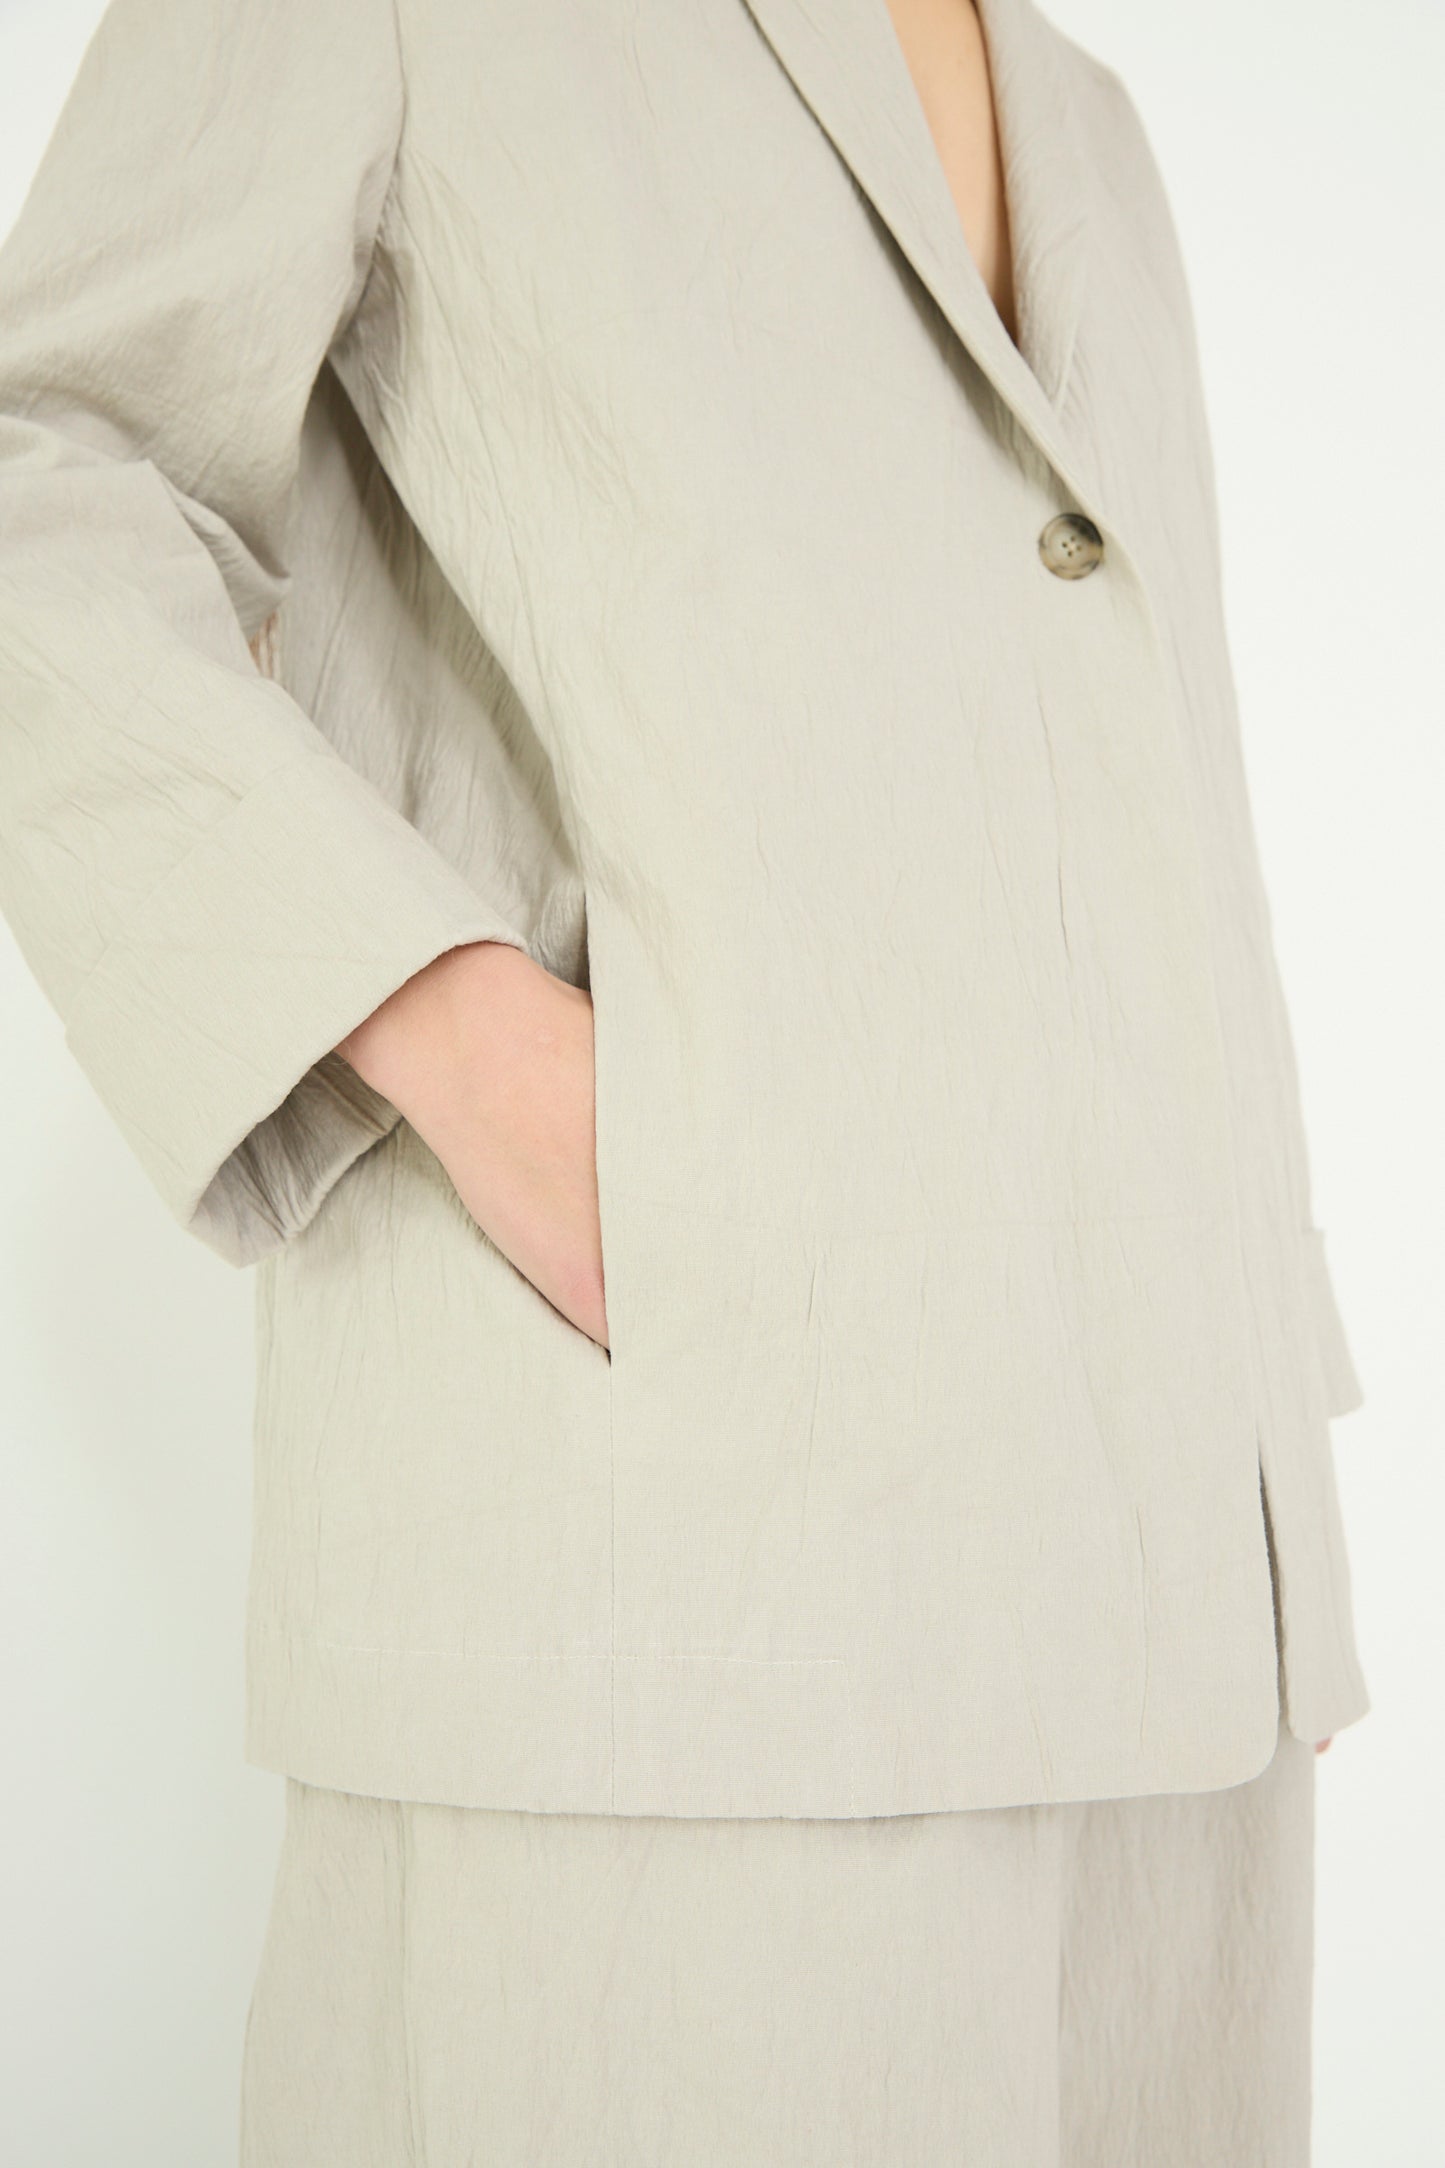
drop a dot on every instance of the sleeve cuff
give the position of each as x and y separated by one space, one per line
208 1025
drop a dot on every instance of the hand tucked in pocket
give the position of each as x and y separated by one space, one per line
489 1057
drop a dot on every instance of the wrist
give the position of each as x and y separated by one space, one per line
417 1048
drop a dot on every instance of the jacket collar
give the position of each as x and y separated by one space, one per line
847 64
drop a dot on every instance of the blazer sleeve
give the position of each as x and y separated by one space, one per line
209 896
1343 1389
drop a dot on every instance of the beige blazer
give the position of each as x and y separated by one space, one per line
598 411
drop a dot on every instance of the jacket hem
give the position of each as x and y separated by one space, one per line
705 1736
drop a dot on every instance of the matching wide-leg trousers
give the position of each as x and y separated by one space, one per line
1106 1984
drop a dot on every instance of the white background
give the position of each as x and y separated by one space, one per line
1300 143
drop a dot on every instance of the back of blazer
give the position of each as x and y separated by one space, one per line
594 415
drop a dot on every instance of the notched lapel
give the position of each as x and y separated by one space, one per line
847 64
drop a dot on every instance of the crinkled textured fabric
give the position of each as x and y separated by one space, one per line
550 471
1105 1984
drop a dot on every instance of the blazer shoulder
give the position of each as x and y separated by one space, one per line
1117 147
1102 105
1091 83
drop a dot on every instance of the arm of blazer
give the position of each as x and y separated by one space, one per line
208 895
1343 1389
